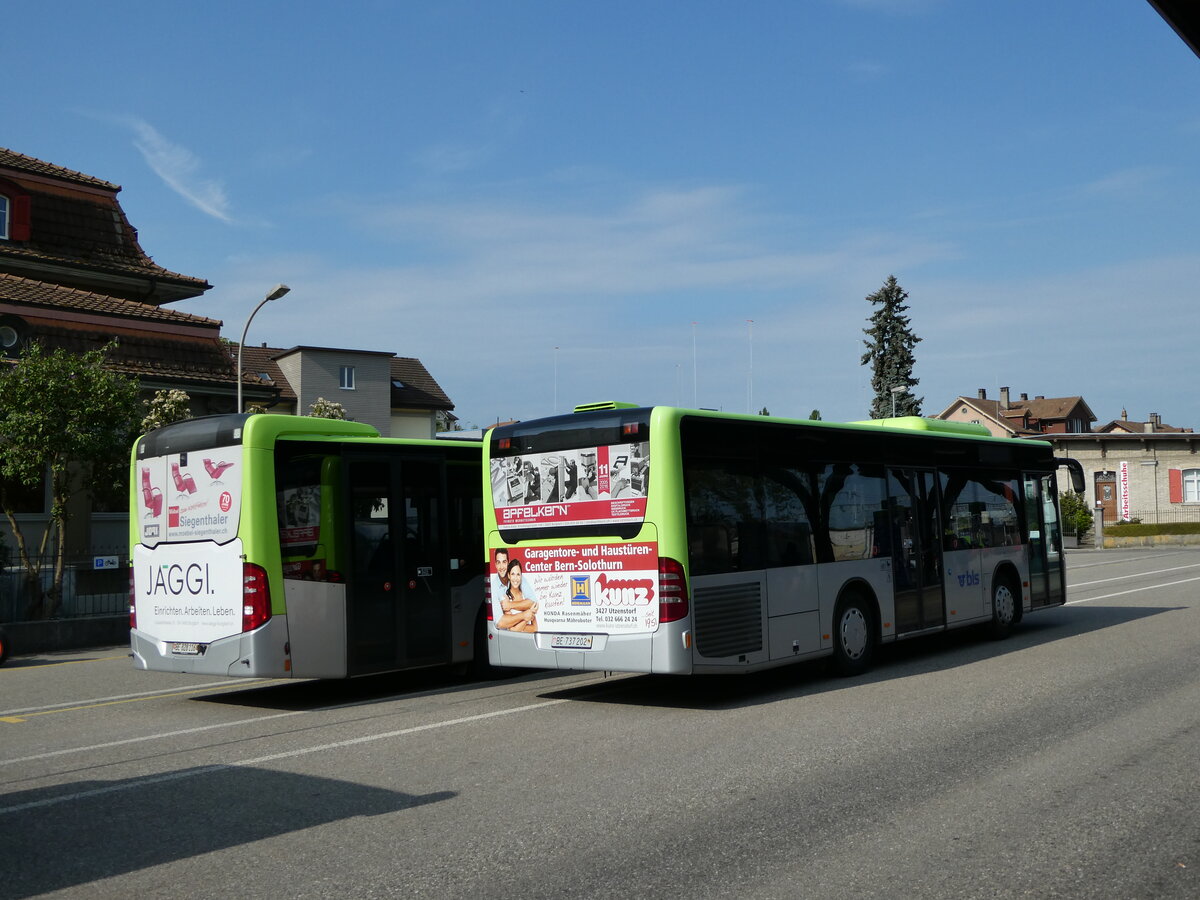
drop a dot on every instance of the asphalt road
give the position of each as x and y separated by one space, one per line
1062 762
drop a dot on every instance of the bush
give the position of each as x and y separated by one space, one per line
1077 518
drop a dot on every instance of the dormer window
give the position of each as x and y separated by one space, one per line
346 378
14 212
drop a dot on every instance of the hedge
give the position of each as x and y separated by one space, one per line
1144 530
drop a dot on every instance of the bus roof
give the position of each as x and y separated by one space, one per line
900 425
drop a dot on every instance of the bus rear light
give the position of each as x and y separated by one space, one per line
132 602
487 597
256 597
672 590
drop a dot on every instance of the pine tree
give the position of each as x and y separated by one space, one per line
890 353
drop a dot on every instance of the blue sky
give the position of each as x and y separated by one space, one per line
477 184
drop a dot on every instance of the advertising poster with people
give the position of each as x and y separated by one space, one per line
595 588
191 496
587 486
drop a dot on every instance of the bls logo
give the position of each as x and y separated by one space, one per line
581 590
968 579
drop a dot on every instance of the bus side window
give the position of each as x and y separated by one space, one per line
787 499
725 521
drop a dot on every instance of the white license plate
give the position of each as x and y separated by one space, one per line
185 649
572 641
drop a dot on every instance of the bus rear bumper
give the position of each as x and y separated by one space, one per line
256 654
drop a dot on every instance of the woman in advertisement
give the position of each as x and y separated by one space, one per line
520 612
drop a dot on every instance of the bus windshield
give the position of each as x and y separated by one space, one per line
559 476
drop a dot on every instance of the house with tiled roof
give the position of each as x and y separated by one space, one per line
1132 470
74 275
1022 417
395 394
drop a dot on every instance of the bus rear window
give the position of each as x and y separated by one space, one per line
573 475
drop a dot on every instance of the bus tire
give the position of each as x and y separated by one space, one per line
3 647
1005 605
853 635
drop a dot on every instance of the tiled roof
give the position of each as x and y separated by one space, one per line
54 296
420 390
12 160
184 360
262 359
89 235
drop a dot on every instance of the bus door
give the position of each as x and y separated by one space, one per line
398 607
916 549
1045 541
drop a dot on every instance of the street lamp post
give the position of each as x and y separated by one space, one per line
276 292
899 389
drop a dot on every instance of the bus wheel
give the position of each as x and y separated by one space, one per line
1004 607
3 646
853 636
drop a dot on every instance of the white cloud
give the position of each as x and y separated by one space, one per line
180 169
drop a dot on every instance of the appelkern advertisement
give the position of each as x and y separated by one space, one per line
190 496
587 486
598 588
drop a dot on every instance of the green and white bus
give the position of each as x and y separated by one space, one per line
685 541
271 545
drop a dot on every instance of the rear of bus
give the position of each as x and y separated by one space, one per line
585 545
212 536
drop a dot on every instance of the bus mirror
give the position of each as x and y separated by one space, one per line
1078 485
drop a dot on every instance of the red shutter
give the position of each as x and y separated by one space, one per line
1175 480
19 223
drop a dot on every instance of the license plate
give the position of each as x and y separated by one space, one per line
572 641
185 649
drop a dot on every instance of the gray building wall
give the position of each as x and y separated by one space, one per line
316 372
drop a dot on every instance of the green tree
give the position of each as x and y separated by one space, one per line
326 409
890 353
65 417
764 412
815 416
166 407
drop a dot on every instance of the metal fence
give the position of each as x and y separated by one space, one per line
95 584
1175 514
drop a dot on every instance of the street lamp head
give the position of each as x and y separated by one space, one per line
278 291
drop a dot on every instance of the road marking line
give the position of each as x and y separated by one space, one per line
1137 575
215 685
98 705
1149 587
150 737
74 662
139 783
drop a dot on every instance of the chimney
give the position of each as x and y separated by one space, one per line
1040 397
1156 421
1124 414
1024 398
1004 398
982 393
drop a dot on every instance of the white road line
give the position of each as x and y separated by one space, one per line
1137 575
1148 587
215 685
149 737
139 783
